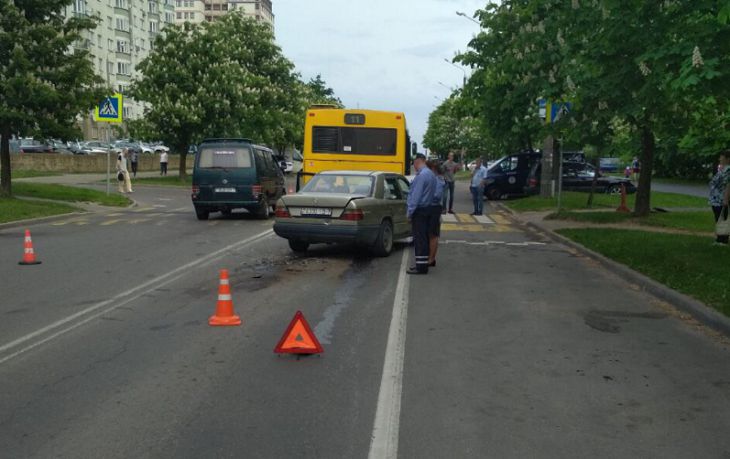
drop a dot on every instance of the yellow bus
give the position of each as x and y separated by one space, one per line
354 139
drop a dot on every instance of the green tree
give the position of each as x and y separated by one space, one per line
222 79
648 65
317 92
46 79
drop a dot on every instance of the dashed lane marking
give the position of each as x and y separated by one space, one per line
135 221
111 222
143 209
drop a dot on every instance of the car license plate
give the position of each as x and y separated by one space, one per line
225 190
317 212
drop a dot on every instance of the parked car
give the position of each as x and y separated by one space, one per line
159 147
75 147
60 147
609 165
578 176
34 146
95 147
131 146
235 174
508 175
360 207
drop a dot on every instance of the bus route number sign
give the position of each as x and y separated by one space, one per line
354 118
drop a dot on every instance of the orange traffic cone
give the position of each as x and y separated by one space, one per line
623 207
224 314
28 253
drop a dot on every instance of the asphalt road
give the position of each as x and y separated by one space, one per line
512 346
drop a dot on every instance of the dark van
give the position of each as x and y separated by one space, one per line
507 176
235 174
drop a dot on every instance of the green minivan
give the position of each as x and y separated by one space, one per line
235 174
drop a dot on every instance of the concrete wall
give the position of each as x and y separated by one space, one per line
87 163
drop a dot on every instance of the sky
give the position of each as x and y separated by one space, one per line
379 54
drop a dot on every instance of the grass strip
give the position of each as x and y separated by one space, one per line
572 200
68 193
12 209
687 263
32 173
689 221
171 180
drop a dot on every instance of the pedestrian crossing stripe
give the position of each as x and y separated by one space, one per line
474 228
109 110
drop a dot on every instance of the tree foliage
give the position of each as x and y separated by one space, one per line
657 70
45 81
222 79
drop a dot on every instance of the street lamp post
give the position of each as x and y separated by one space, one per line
464 15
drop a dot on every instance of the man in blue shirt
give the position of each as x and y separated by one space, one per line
478 181
420 199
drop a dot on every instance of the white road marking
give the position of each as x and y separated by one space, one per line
384 440
119 300
483 219
449 218
520 244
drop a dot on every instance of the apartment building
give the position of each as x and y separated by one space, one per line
124 36
197 11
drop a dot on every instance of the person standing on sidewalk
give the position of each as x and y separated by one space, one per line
478 182
450 167
163 163
720 192
125 185
434 224
420 199
134 160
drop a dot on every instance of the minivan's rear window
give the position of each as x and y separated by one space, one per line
224 157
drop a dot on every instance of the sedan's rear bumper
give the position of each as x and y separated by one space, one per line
320 232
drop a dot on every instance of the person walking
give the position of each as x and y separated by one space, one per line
636 168
478 181
125 185
134 160
450 167
420 199
720 193
434 224
163 163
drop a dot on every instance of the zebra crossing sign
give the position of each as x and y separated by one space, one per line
109 110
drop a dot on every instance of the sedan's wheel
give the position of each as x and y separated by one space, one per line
613 189
384 243
202 213
494 193
298 246
263 210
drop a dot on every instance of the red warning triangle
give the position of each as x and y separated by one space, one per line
298 338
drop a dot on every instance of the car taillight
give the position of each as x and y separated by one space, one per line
256 191
353 215
282 212
532 182
196 190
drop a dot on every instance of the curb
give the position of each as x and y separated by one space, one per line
697 309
